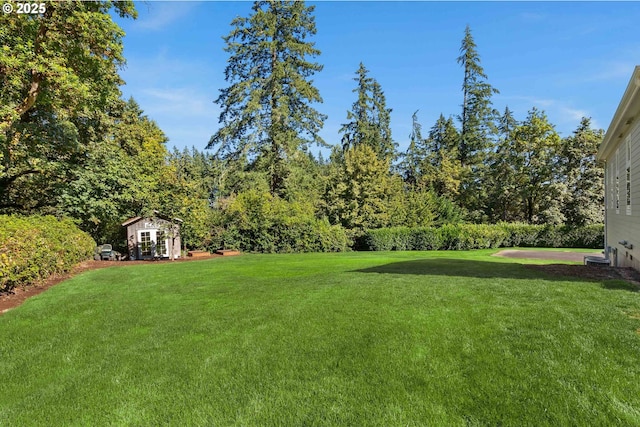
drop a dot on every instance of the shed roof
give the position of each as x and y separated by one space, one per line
131 221
138 218
628 111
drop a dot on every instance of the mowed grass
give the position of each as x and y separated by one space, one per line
396 338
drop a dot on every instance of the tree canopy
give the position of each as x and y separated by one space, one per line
267 112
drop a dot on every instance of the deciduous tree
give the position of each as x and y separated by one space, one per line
59 74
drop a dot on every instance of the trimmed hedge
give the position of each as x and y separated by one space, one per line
481 236
255 221
33 248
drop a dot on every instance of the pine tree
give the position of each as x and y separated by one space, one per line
477 114
413 157
370 119
583 178
266 111
477 126
500 181
386 148
441 168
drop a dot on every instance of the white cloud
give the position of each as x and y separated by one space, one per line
613 70
533 16
160 15
179 102
561 113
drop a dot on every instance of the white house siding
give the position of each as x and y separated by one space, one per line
620 225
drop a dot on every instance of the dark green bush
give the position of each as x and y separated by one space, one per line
33 248
482 236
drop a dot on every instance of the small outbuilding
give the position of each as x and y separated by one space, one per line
153 237
620 151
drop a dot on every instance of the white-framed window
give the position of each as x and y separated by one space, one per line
145 243
628 175
617 181
161 247
153 243
611 175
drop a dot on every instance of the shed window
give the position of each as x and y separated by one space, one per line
145 243
161 249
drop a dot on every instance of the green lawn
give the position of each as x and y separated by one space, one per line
395 338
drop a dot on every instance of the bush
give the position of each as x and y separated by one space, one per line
33 248
481 236
259 222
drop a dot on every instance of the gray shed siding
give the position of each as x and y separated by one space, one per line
155 226
620 224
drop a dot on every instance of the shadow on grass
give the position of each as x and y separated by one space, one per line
453 267
609 279
620 285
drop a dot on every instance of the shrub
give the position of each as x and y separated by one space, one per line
33 248
481 236
259 222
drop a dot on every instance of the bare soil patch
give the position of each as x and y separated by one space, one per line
17 296
591 272
549 255
580 271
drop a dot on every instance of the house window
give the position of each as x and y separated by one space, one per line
617 185
628 177
145 243
612 189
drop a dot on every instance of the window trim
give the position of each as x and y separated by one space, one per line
628 175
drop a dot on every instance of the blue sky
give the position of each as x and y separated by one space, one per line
570 59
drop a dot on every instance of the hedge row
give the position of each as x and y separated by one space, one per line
256 221
33 248
481 236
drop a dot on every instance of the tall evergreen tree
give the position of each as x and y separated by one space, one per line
441 168
500 179
369 118
476 129
413 157
583 177
267 112
382 124
443 140
477 115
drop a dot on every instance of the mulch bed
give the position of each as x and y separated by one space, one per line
17 296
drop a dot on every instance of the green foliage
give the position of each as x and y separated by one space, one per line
481 236
477 114
59 80
120 176
369 119
266 110
33 248
583 177
188 187
359 190
259 222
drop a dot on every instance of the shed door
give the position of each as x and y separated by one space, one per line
153 243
